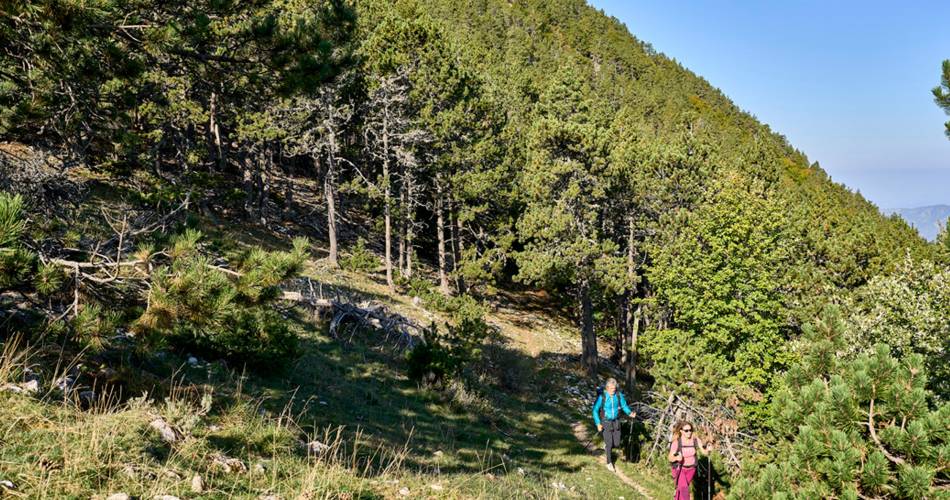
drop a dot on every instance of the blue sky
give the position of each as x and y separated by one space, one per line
847 82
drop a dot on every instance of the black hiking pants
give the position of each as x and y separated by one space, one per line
611 437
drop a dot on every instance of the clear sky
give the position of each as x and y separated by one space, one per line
846 81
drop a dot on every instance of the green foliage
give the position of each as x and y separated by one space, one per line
909 310
360 258
200 306
847 426
722 273
92 326
48 280
16 262
942 92
442 355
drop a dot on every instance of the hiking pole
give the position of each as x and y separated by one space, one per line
708 478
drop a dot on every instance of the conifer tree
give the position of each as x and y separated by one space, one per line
565 193
942 92
853 427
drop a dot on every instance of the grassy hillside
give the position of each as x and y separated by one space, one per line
508 432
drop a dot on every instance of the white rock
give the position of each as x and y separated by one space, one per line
404 491
268 497
438 453
12 388
118 496
165 497
258 468
193 361
317 448
31 386
197 484
436 487
227 465
168 434
521 471
7 484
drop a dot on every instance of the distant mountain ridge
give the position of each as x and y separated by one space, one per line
927 220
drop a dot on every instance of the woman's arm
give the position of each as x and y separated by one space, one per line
674 457
623 404
600 400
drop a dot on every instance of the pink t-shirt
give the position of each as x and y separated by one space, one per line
687 449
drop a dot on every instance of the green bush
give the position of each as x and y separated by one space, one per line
441 356
16 263
360 258
201 307
850 428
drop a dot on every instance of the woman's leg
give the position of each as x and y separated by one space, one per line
682 486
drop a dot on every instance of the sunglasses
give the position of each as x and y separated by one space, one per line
687 430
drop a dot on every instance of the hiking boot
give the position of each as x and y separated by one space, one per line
610 467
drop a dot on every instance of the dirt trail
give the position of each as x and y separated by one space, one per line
583 437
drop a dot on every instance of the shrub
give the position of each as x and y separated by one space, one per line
442 356
850 428
360 258
202 307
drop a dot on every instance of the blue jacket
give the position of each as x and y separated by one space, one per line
612 406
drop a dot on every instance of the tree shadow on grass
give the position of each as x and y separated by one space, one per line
361 384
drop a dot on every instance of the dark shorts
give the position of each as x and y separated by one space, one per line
612 432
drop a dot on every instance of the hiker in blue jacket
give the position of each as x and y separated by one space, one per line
610 402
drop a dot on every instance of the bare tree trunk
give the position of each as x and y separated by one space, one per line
440 234
588 338
402 231
630 363
329 192
632 325
621 323
410 221
457 249
387 195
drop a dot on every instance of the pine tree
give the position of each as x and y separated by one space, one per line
942 92
853 427
16 262
564 194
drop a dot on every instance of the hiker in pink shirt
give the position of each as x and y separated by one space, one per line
683 457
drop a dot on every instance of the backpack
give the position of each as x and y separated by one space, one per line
679 444
603 407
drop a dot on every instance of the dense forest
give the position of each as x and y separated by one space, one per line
503 145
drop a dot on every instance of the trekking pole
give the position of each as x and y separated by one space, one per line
708 478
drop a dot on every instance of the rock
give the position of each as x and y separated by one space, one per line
268 497
558 485
258 468
489 476
436 487
165 497
416 301
65 383
118 496
404 491
197 484
31 386
316 447
438 454
172 475
214 428
12 388
169 435
227 465
193 361
521 471
7 485
87 397
29 375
